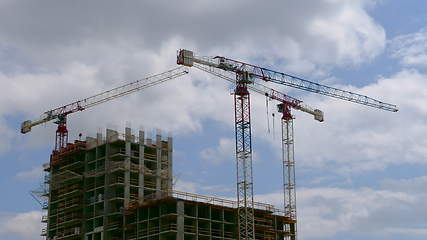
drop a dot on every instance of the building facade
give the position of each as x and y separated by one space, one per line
90 183
178 215
120 187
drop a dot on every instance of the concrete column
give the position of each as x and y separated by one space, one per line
159 165
107 190
222 223
170 163
85 212
49 204
98 139
141 166
197 220
128 154
180 220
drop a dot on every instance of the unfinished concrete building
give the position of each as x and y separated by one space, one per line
179 215
92 181
120 187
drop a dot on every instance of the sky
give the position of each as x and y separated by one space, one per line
360 174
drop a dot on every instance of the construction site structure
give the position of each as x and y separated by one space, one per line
73 212
179 215
120 187
92 181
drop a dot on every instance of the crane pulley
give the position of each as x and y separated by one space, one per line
60 114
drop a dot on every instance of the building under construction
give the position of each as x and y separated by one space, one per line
120 187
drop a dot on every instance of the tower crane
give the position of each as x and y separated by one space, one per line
59 115
286 102
246 76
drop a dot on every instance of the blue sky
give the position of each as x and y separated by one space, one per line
360 174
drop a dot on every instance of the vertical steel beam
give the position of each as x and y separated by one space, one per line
170 164
158 165
127 162
180 220
244 159
141 167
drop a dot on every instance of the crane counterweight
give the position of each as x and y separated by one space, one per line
26 126
318 115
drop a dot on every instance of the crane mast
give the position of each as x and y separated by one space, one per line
288 167
242 126
245 197
60 114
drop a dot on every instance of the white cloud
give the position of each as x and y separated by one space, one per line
365 212
50 61
409 232
411 48
175 106
353 31
224 151
29 175
343 30
342 210
355 138
8 135
410 185
25 226
193 187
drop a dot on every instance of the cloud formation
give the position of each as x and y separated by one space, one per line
53 53
411 48
224 151
358 139
394 210
22 226
30 175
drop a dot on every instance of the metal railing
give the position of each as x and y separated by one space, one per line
205 199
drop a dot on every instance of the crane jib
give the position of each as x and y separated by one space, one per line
269 75
102 97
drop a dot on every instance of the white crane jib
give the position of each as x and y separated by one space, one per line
60 114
